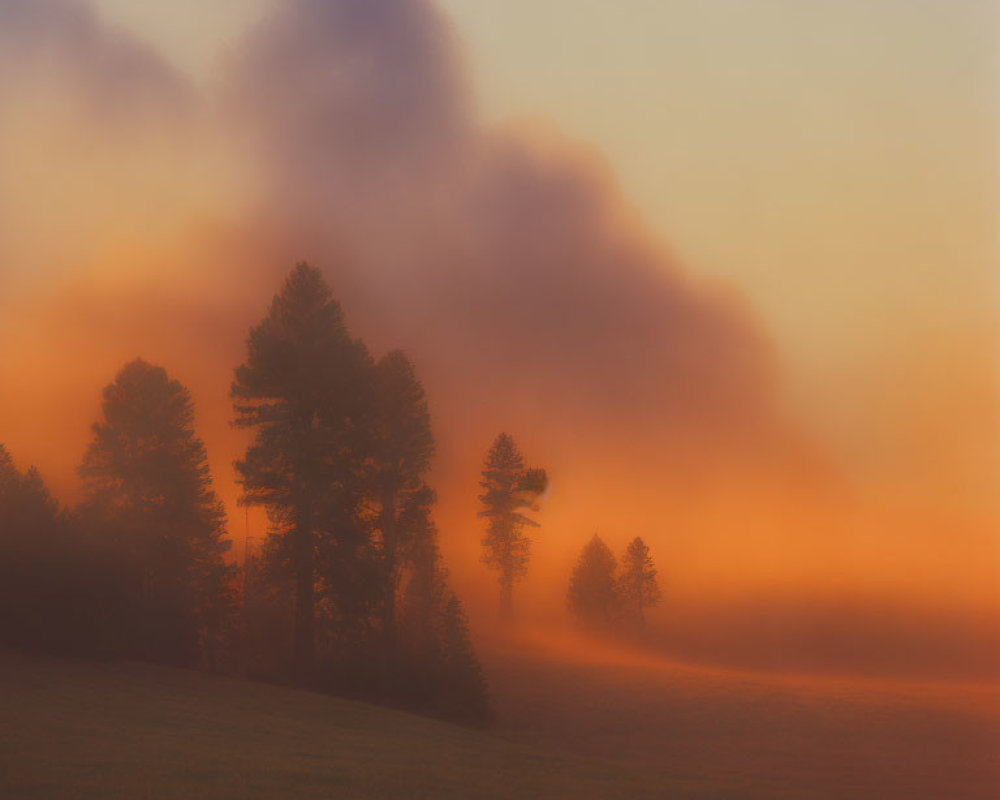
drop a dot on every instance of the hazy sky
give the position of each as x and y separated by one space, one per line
837 162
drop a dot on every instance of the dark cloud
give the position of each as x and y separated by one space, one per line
510 268
111 73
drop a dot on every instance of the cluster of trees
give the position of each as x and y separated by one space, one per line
349 591
340 448
137 569
609 596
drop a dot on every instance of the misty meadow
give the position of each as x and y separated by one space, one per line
453 398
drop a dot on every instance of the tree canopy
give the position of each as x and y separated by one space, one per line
509 489
592 596
148 490
638 588
302 392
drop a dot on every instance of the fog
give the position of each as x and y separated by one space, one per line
144 214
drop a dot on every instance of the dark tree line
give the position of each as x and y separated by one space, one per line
609 596
348 592
341 444
137 570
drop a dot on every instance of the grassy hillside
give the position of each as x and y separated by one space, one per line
812 736
73 729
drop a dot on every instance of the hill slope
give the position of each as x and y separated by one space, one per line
72 729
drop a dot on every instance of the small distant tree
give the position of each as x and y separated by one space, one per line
147 486
509 488
592 596
637 584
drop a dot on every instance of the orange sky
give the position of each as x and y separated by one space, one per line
813 248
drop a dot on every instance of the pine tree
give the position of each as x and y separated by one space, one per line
147 486
402 447
32 559
592 596
464 692
26 507
303 391
424 595
508 488
637 585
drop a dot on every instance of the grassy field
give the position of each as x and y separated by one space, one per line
799 736
71 729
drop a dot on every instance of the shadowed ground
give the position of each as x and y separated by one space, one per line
83 730
72 729
806 736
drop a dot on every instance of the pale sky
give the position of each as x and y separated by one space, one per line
835 161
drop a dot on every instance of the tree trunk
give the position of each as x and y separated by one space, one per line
507 598
389 541
304 628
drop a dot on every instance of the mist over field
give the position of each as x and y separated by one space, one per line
812 462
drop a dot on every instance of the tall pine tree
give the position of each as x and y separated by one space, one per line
147 486
303 391
402 447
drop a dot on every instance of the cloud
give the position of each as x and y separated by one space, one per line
507 260
107 72
142 216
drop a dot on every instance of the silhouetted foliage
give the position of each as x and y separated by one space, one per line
402 448
464 694
423 597
148 496
637 585
340 452
592 597
508 488
347 593
265 635
302 391
32 564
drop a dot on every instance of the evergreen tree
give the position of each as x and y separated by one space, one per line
424 595
592 597
26 507
31 558
508 488
402 447
147 486
637 585
303 391
464 694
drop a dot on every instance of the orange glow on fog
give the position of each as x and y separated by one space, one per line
146 234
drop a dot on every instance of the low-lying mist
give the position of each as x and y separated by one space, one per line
144 215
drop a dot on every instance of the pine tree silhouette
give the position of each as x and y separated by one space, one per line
302 390
637 584
592 596
508 489
146 483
